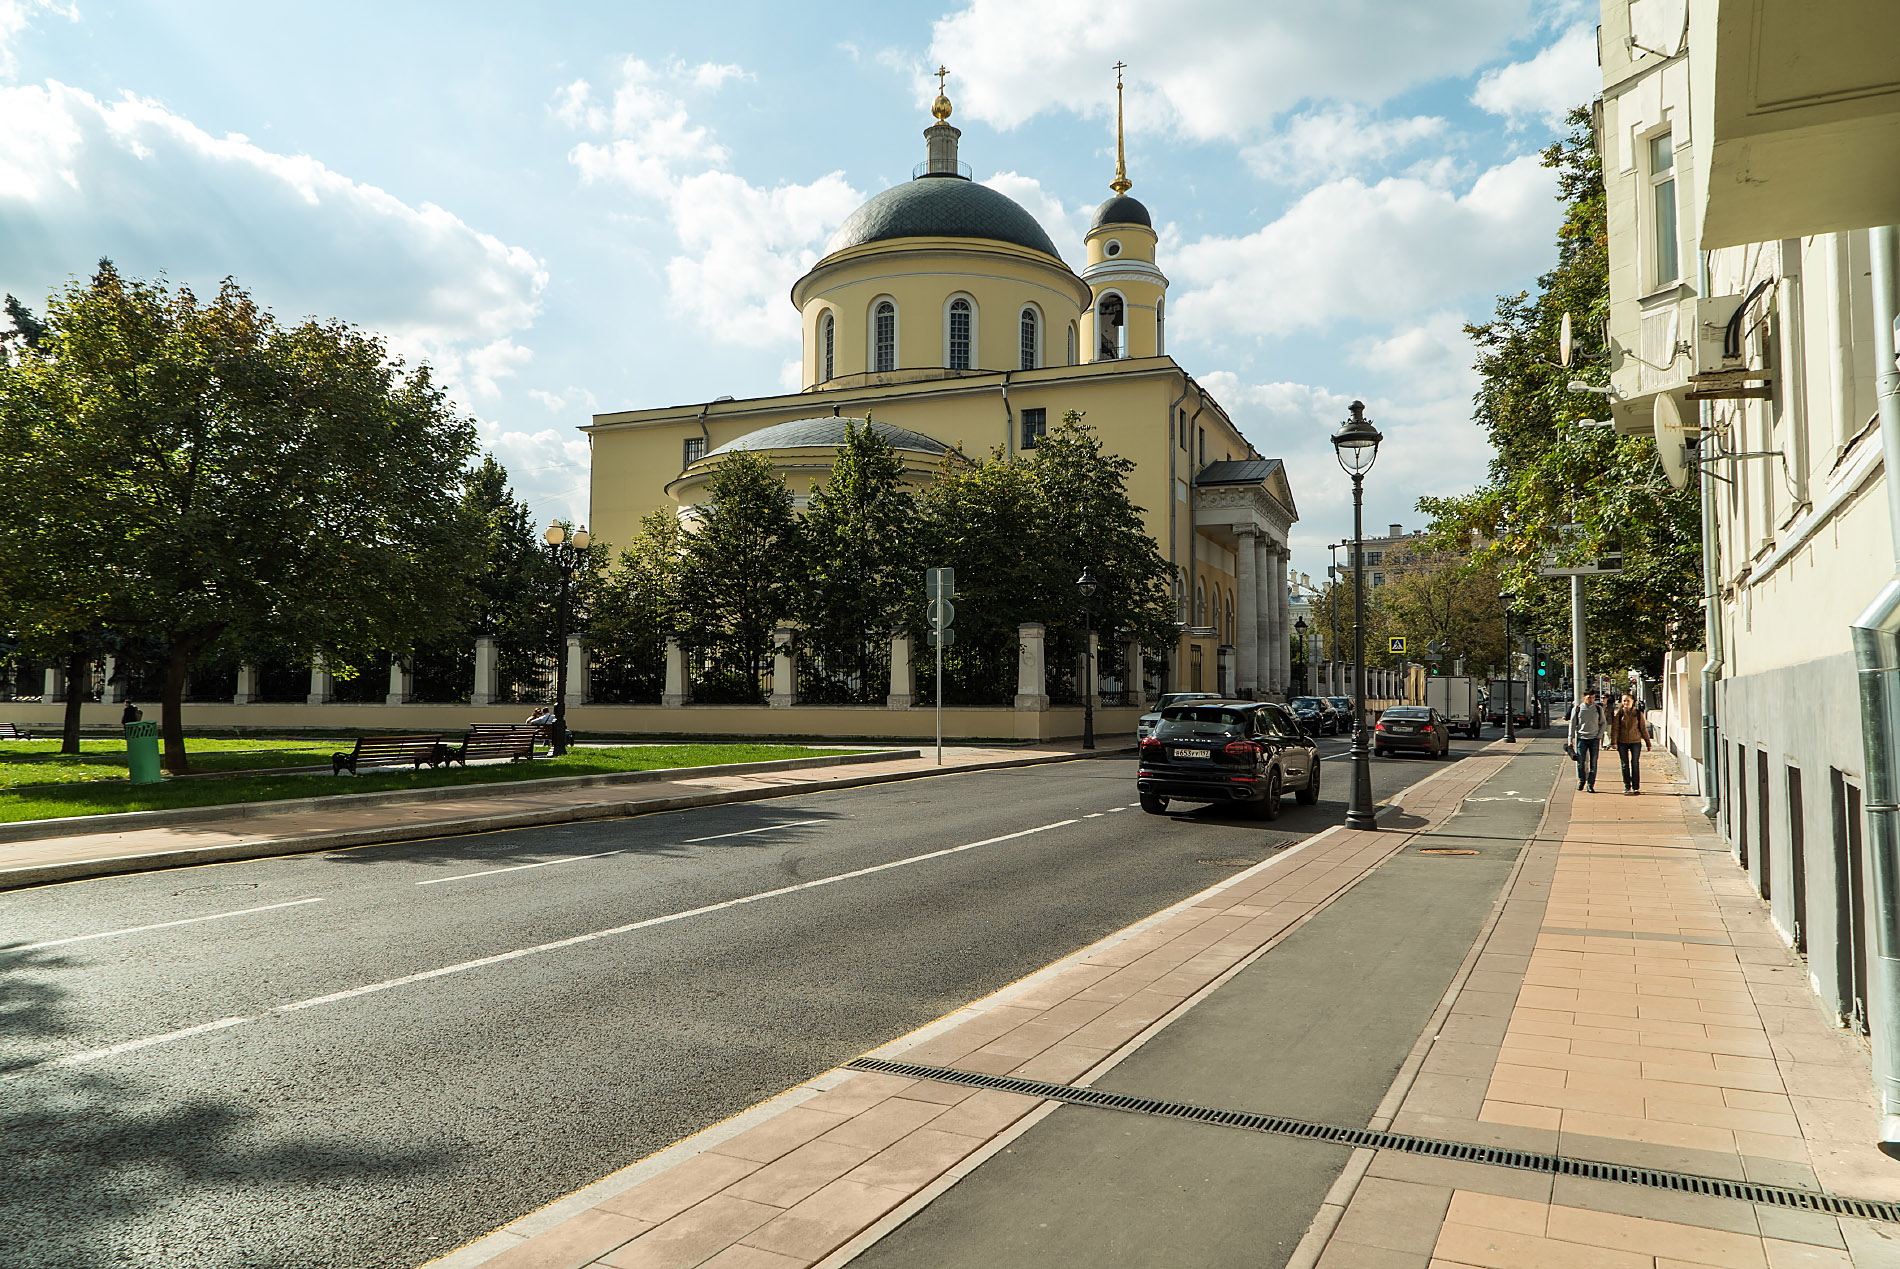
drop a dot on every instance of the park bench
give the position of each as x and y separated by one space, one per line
389 751
11 731
498 740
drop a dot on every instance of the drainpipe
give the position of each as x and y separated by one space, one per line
1876 635
1711 595
1009 420
1174 444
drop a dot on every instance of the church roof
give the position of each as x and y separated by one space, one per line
1238 471
828 430
942 206
1123 209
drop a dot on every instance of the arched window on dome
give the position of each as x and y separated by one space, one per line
1071 343
884 337
959 332
1029 339
827 346
1111 328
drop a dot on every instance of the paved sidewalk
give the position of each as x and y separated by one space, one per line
1631 1004
484 808
821 1171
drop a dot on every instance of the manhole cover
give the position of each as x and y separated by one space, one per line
223 889
1444 850
1228 863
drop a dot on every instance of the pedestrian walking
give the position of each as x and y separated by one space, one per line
132 713
1629 730
1587 724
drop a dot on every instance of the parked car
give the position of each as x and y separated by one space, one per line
1250 752
1316 715
1342 705
1412 727
1146 724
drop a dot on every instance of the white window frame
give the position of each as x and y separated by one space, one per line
897 335
1034 314
1652 181
948 302
827 345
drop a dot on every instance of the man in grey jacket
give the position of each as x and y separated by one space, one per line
1586 737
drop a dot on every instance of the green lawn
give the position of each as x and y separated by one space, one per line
24 762
30 799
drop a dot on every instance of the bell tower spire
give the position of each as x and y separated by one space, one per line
1121 184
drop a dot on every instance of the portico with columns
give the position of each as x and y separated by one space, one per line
1245 508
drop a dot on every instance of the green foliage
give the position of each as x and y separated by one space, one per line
198 476
1548 472
740 569
636 605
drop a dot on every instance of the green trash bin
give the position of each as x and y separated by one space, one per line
141 752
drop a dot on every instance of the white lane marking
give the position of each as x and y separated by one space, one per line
161 925
1113 809
546 863
93 1055
1094 815
72 1059
747 832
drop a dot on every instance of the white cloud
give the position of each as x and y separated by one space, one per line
1378 252
81 178
16 16
1548 85
548 469
1327 143
580 398
741 245
1431 359
711 75
1013 61
1066 225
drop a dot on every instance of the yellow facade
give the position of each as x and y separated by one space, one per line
942 308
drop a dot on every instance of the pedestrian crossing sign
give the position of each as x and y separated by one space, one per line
1398 644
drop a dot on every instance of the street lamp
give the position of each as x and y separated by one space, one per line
1085 586
565 551
1306 656
1356 445
1510 670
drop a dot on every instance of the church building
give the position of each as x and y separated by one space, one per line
942 310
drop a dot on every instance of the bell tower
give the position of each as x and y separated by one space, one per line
1128 317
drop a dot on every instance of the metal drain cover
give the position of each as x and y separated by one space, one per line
1445 850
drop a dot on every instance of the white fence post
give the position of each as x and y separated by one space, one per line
579 668
678 690
1032 687
903 672
487 689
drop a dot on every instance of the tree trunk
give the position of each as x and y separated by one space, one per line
76 692
171 710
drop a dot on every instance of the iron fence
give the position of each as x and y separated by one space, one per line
973 673
634 675
718 675
849 674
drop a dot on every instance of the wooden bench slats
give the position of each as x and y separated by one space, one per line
497 740
390 751
12 731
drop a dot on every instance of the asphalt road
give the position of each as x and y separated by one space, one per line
368 1057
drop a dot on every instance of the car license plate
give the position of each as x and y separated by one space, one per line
1403 727
1190 753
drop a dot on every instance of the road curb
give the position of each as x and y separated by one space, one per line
316 843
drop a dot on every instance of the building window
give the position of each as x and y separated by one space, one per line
1662 202
1200 604
1202 462
695 450
1112 248
1374 557
829 350
1071 343
1184 430
959 351
1378 579
1110 328
1035 426
1161 327
1029 341
884 356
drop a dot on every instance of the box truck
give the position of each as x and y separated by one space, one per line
1518 692
1457 699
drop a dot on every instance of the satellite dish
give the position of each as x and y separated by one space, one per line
1563 341
1672 440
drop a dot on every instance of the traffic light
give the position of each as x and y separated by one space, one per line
1543 666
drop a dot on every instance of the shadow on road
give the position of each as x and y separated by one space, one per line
92 1159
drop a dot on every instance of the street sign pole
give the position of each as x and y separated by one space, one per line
1577 642
940 587
939 660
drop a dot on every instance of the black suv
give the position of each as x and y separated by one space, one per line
1249 752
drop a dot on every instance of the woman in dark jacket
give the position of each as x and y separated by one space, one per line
1629 728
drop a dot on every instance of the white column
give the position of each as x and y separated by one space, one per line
402 684
579 671
903 673
112 693
784 668
1091 680
678 690
1224 658
322 683
487 673
1264 554
246 685
54 685
1247 645
1282 623
1032 687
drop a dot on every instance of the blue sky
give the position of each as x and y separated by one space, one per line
602 207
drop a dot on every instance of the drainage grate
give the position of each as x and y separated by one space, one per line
1405 1143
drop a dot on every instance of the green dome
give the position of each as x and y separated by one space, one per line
942 206
827 430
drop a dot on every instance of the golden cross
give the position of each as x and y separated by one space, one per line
941 72
1118 68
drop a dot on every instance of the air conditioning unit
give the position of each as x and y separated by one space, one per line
1708 321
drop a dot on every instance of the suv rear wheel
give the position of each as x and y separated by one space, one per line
1269 808
1310 794
1154 804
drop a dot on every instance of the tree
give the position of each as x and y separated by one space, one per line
636 606
863 573
1455 601
739 572
239 484
1548 472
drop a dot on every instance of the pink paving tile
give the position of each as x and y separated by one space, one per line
781 1134
694 1235
574 1241
824 1221
800 1174
679 1187
914 1161
886 1122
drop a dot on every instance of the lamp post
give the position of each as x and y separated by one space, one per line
1356 445
565 551
1306 656
1510 671
1085 587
